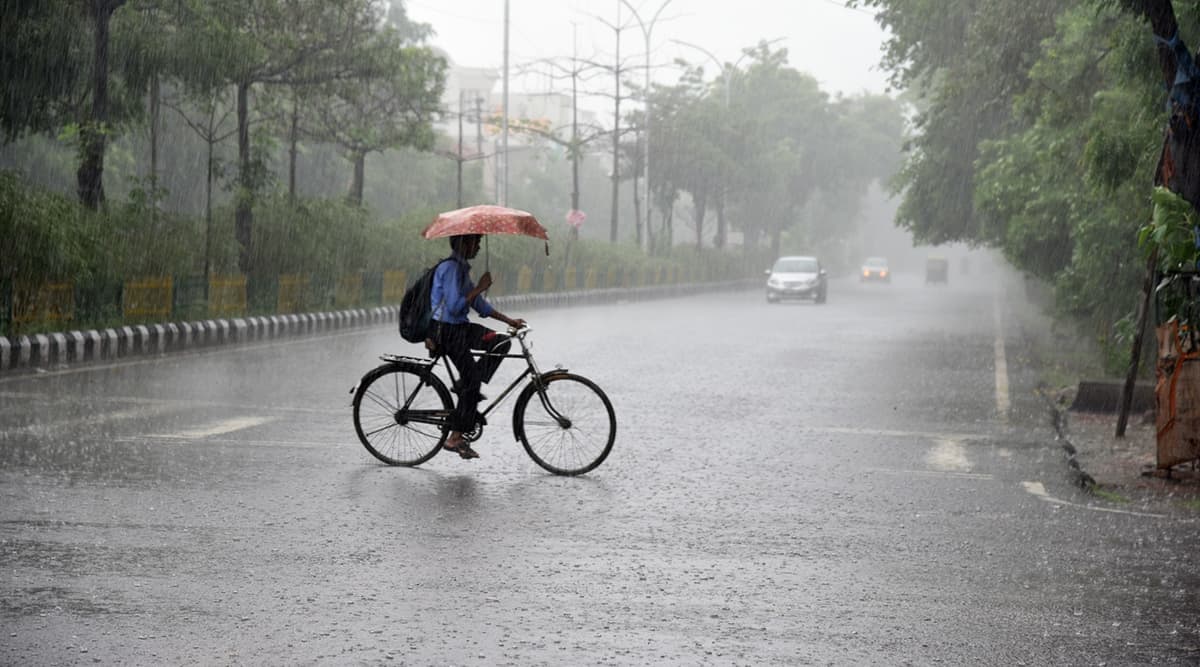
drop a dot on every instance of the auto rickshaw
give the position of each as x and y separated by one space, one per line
937 270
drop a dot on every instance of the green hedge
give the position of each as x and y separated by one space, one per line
47 237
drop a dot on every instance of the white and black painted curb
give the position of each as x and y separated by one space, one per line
53 350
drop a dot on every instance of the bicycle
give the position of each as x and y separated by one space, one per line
401 410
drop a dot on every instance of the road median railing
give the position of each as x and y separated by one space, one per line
45 351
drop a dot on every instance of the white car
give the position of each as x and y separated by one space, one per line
796 277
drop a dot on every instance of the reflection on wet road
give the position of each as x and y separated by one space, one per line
847 483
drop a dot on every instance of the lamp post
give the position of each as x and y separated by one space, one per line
726 71
647 28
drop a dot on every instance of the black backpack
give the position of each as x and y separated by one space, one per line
416 311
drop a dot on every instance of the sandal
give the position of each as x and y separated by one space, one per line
463 449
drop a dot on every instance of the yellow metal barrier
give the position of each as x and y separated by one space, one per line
394 284
549 280
348 292
147 298
611 280
50 302
525 279
570 277
227 296
293 291
589 281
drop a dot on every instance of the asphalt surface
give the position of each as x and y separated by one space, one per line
869 481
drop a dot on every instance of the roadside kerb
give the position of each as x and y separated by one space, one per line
56 350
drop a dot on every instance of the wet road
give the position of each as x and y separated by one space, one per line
870 481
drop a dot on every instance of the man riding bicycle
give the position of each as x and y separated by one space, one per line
452 296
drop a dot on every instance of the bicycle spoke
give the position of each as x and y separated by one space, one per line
398 414
578 447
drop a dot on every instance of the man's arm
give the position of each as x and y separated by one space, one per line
514 323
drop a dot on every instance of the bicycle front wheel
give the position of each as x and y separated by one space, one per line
568 430
400 413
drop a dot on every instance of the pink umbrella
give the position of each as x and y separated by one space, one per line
485 219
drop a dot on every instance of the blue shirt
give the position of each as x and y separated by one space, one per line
451 284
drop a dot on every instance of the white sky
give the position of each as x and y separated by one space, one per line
837 45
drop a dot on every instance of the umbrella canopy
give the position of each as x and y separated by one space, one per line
485 219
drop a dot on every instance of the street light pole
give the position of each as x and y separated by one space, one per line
647 28
726 71
504 141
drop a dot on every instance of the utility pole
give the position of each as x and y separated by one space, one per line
647 29
479 126
461 111
503 186
616 149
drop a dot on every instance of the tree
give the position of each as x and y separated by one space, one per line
276 43
390 105
44 78
967 60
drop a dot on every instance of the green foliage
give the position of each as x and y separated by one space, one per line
43 236
1172 231
47 237
43 64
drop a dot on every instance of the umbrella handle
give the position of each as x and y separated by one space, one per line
486 255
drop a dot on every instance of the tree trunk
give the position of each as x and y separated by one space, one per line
668 233
90 176
722 236
701 209
1135 356
293 150
637 207
356 185
155 114
244 210
1161 14
208 182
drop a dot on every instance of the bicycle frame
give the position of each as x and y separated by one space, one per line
531 371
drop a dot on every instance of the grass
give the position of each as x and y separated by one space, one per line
1111 496
1193 504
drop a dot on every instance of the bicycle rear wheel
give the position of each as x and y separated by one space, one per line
400 413
572 430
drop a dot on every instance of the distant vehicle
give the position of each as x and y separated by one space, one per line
937 270
796 277
875 269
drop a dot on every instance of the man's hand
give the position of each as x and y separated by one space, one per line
485 281
517 323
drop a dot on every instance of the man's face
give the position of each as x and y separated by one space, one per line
470 247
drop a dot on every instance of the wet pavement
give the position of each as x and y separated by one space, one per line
870 481
1122 471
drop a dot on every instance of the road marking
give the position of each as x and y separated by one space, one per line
219 428
948 456
933 473
90 419
899 434
1001 363
182 403
306 444
1038 490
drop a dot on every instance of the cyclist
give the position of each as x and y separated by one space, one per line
452 296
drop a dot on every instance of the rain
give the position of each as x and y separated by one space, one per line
832 332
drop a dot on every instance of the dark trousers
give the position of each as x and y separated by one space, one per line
456 341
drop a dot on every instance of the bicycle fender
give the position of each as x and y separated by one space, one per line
527 395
